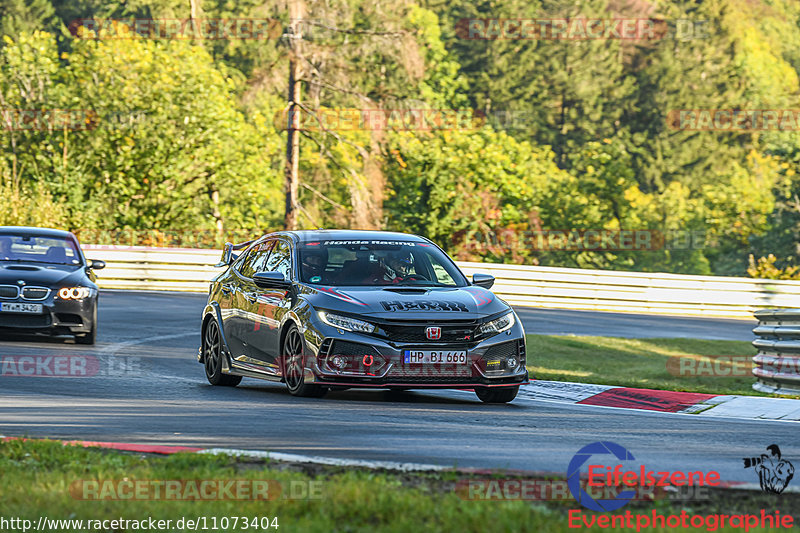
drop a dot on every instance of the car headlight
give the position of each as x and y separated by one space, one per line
498 325
74 293
345 322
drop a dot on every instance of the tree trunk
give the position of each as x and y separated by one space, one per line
220 224
296 12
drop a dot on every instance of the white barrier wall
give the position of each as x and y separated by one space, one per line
183 269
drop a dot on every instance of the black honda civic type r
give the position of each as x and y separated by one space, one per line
46 284
335 309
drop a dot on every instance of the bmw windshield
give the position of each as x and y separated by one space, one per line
38 249
377 263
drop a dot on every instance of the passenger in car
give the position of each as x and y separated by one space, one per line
5 248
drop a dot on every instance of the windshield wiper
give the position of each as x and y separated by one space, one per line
17 260
422 283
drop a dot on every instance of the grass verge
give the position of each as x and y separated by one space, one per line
644 363
36 479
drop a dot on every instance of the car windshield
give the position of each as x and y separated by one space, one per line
37 249
377 263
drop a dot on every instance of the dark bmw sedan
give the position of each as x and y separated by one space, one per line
335 309
46 284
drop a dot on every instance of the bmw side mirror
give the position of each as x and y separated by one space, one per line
483 280
96 264
271 280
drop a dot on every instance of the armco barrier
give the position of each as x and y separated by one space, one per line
183 269
139 267
777 364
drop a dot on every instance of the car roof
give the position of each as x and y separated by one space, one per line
37 232
353 235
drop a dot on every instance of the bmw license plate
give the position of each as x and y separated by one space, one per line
11 307
427 357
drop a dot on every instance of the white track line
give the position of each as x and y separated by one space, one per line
111 349
294 458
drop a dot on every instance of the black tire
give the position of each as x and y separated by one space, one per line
293 356
397 394
497 395
91 337
212 357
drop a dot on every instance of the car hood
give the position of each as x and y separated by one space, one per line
39 274
455 303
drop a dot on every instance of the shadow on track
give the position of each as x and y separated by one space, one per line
34 338
360 395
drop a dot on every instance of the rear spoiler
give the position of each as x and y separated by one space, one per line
228 256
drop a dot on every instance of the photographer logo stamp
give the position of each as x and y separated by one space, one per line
774 472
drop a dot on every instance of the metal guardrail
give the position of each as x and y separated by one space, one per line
185 269
777 364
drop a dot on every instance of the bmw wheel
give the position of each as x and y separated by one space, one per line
91 337
294 366
212 357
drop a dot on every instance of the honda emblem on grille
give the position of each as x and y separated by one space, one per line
433 333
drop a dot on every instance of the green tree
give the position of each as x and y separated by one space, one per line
474 192
18 16
166 146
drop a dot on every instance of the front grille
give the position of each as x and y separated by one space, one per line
496 357
9 291
325 346
68 318
351 348
8 320
502 351
416 332
35 293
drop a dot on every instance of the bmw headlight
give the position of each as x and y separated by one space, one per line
498 325
345 322
74 293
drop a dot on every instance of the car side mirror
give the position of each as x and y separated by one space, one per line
96 264
271 280
483 280
227 255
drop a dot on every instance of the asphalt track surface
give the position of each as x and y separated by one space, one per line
151 390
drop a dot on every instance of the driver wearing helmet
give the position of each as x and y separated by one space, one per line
400 263
312 265
393 269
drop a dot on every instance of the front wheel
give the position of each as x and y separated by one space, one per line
294 367
91 337
497 395
212 357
